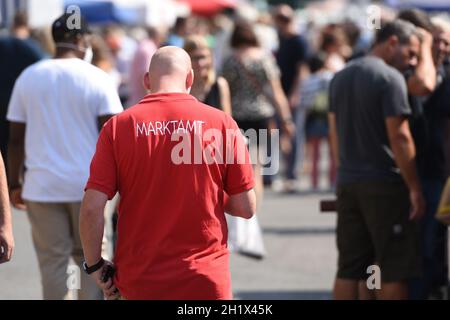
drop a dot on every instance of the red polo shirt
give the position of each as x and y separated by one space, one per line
172 232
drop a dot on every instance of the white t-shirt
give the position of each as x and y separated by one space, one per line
60 101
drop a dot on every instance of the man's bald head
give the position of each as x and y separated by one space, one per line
170 71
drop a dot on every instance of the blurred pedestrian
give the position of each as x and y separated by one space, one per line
21 30
6 231
56 110
335 46
140 64
314 101
256 92
291 56
432 165
102 59
245 236
379 193
123 49
207 87
180 30
421 80
172 229
15 55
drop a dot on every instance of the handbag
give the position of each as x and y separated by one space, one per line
245 237
443 211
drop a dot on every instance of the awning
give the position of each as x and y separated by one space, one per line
428 5
209 7
108 11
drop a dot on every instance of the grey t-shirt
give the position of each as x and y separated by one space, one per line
362 96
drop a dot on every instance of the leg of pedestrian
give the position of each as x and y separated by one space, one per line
51 233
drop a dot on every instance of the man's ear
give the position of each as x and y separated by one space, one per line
147 82
189 80
393 41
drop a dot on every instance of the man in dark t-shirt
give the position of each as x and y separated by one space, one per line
432 124
379 193
15 56
291 55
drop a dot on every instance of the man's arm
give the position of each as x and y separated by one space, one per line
16 155
300 75
333 137
282 106
242 204
402 146
423 81
92 224
6 232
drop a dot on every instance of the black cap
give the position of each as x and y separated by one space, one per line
68 27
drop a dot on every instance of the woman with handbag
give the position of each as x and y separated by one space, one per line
256 92
244 236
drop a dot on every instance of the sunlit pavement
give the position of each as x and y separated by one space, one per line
300 264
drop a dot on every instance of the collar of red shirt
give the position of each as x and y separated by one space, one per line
167 96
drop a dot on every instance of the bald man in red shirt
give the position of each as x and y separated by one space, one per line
178 165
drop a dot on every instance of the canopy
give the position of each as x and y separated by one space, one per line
429 5
209 7
107 11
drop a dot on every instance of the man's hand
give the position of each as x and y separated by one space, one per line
417 205
109 289
6 244
289 128
16 199
427 37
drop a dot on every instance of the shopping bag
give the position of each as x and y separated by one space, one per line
245 237
443 212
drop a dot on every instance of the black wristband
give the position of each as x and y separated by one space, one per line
95 267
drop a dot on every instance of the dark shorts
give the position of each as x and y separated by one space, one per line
373 228
257 147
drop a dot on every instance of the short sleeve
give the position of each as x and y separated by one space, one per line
394 97
17 105
302 49
239 173
271 68
103 169
108 101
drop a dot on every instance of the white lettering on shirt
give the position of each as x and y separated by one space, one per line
169 127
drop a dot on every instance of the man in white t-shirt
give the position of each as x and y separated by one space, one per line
56 111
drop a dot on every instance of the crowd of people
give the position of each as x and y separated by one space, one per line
381 107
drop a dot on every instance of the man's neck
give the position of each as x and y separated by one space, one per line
289 32
66 54
378 52
168 90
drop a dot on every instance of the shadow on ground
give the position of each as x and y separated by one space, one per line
283 295
299 231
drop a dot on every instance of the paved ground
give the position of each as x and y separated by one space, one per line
301 260
300 242
300 263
